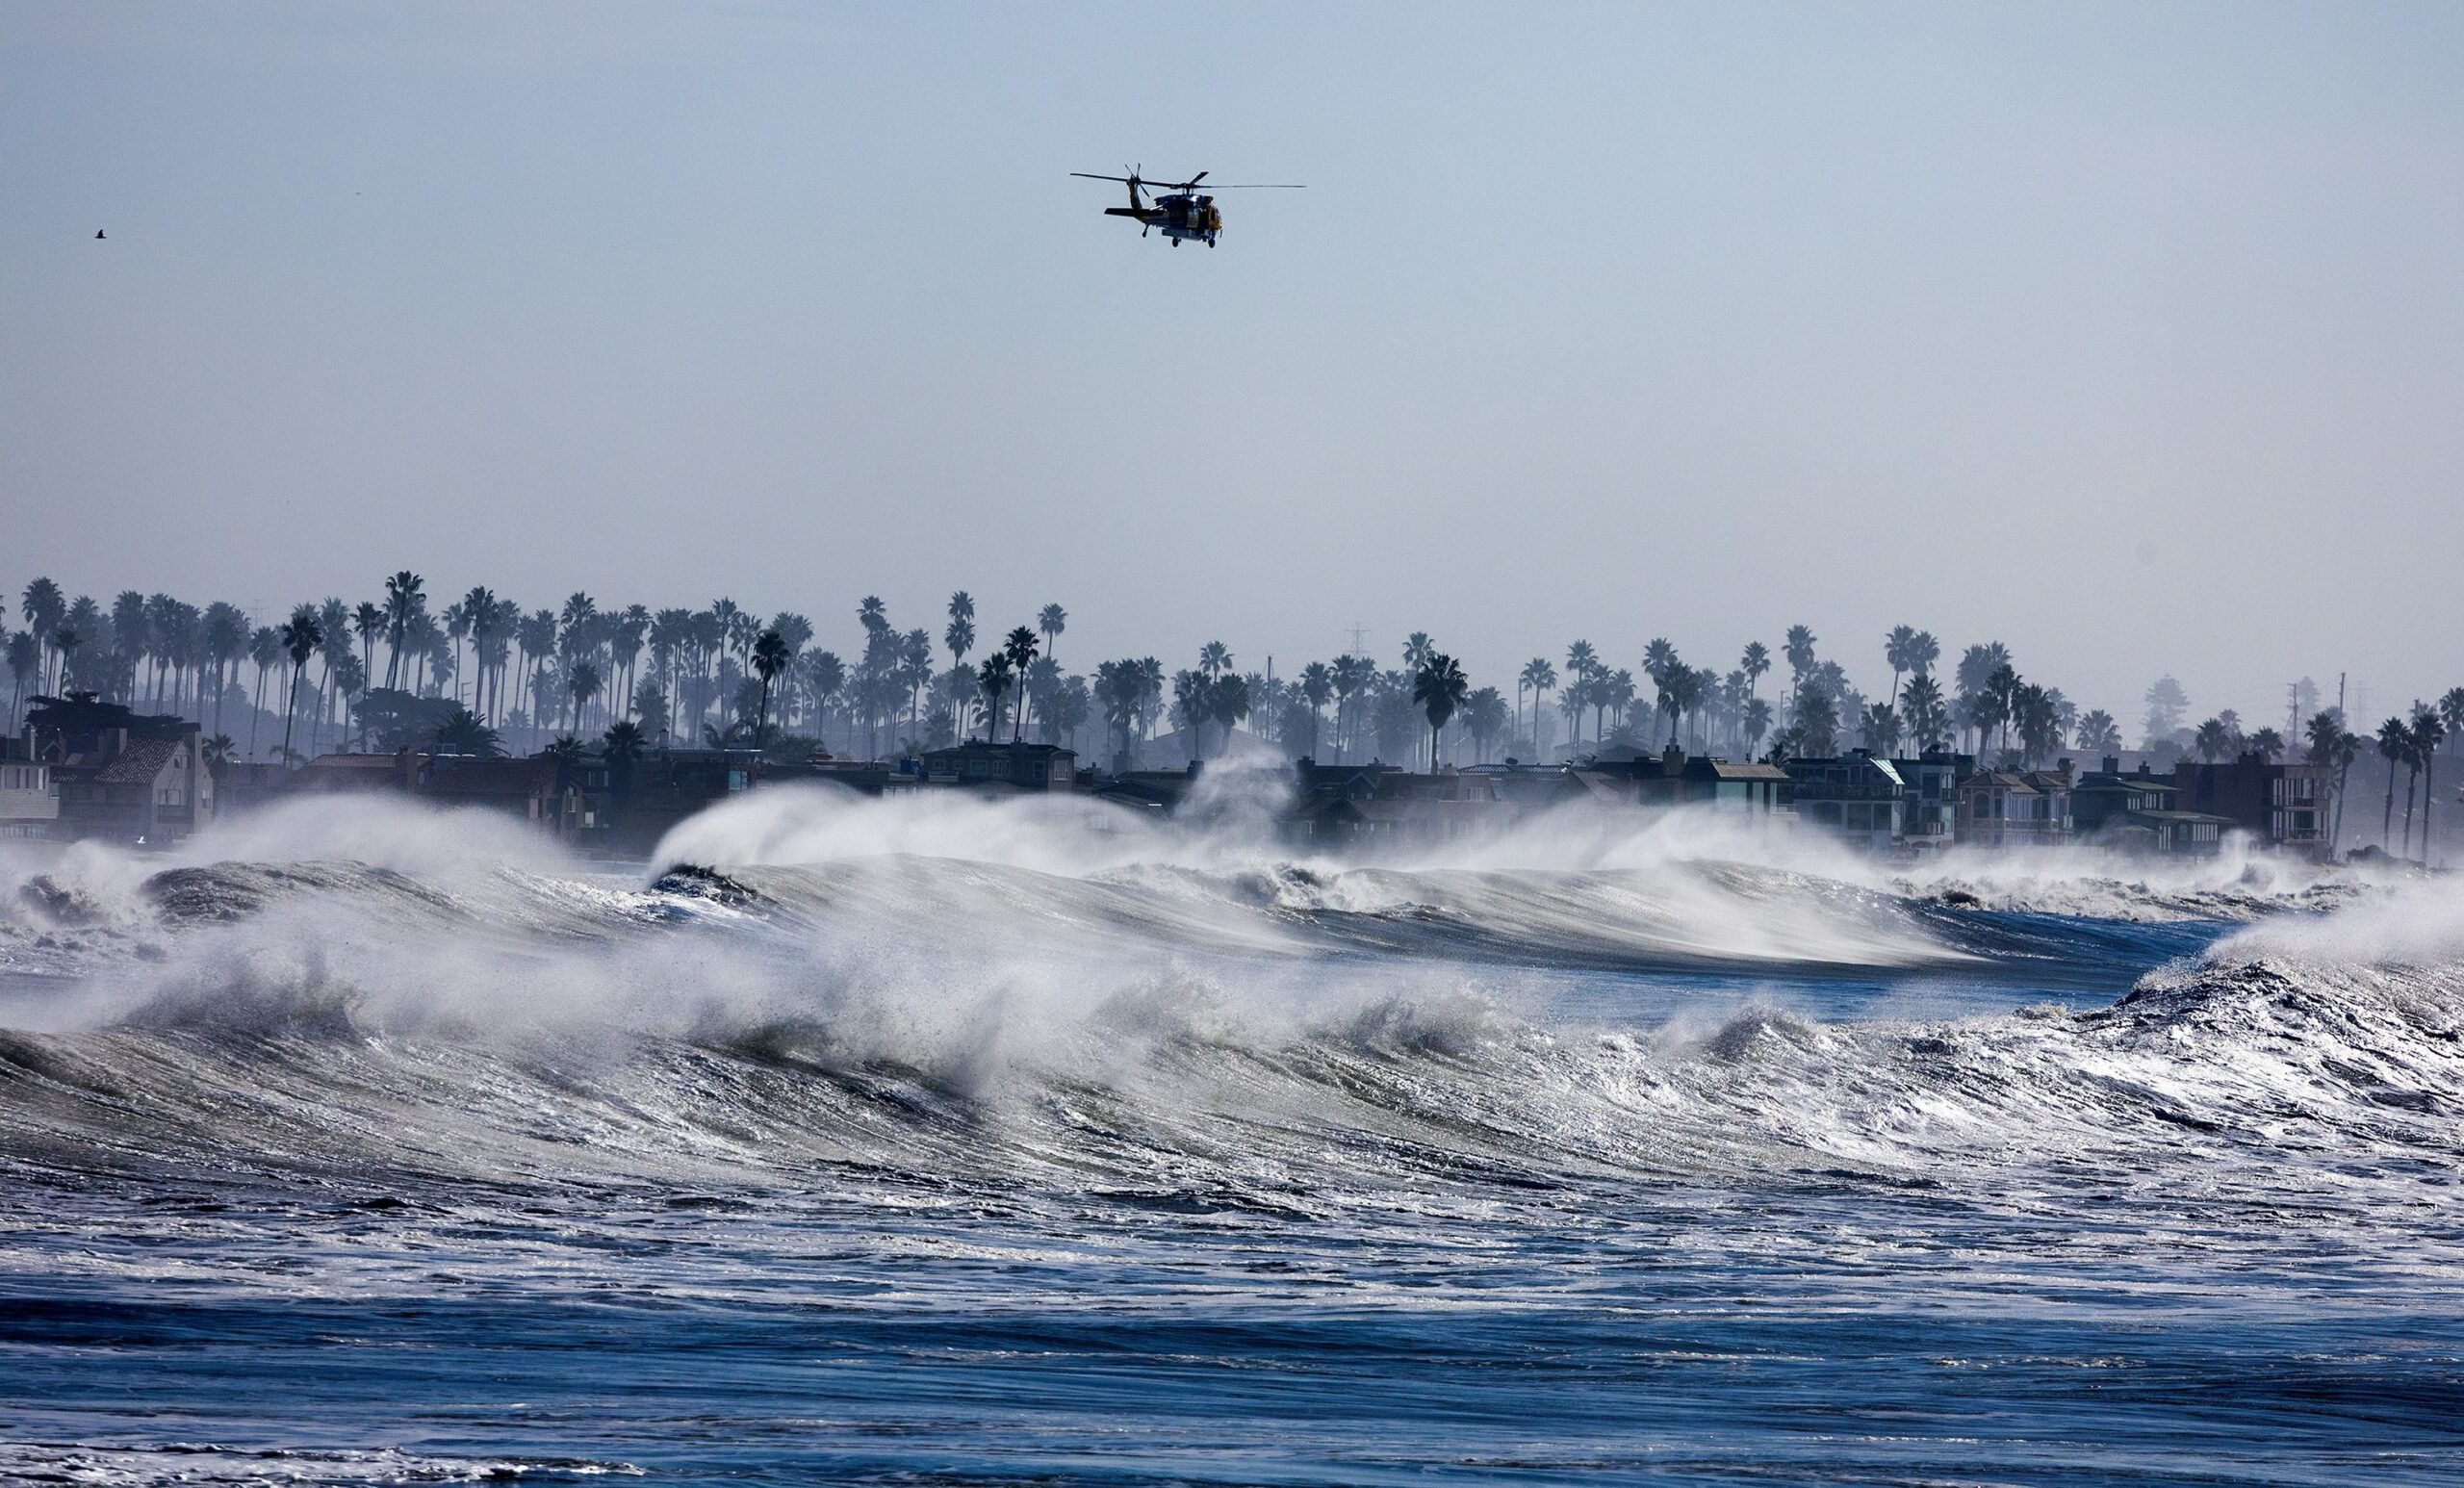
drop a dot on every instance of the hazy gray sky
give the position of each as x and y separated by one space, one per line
2128 335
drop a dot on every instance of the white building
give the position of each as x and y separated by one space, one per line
29 800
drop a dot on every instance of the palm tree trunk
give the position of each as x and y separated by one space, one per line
291 710
2429 798
2336 823
2412 778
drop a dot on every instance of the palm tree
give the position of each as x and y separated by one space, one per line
333 621
461 732
1119 685
2429 732
25 661
2266 744
1798 647
1051 620
2000 696
2331 746
1417 648
1899 649
583 685
45 607
824 676
302 635
915 669
622 746
1977 664
368 622
1658 655
1439 688
1539 676
217 752
1227 701
2395 746
225 633
1923 712
1669 679
1019 649
1352 675
1815 730
458 627
1192 700
2098 733
1582 664
993 679
403 599
567 752
1923 650
2037 714
727 615
771 656
1755 661
1317 684
2213 740
2321 733
1880 729
64 642
1214 659
130 632
1066 710
264 653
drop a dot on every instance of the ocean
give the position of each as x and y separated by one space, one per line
1027 1143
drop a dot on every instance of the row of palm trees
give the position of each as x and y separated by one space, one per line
1821 710
694 674
723 674
2411 743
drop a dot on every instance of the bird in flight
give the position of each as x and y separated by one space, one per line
98 232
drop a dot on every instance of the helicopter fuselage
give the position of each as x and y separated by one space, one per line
1179 216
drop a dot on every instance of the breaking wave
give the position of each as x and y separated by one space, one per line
1243 1031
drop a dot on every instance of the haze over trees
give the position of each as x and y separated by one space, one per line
482 672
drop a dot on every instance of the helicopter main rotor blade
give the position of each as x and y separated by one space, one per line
1191 183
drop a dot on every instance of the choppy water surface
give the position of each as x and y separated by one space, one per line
980 1146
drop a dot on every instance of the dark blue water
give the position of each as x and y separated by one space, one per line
1376 1216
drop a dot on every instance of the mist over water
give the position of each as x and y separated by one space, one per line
962 1140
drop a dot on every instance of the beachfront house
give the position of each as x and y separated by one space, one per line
2285 805
119 776
29 800
997 765
2015 807
2135 810
1857 797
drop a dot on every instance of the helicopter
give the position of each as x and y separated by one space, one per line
1178 210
